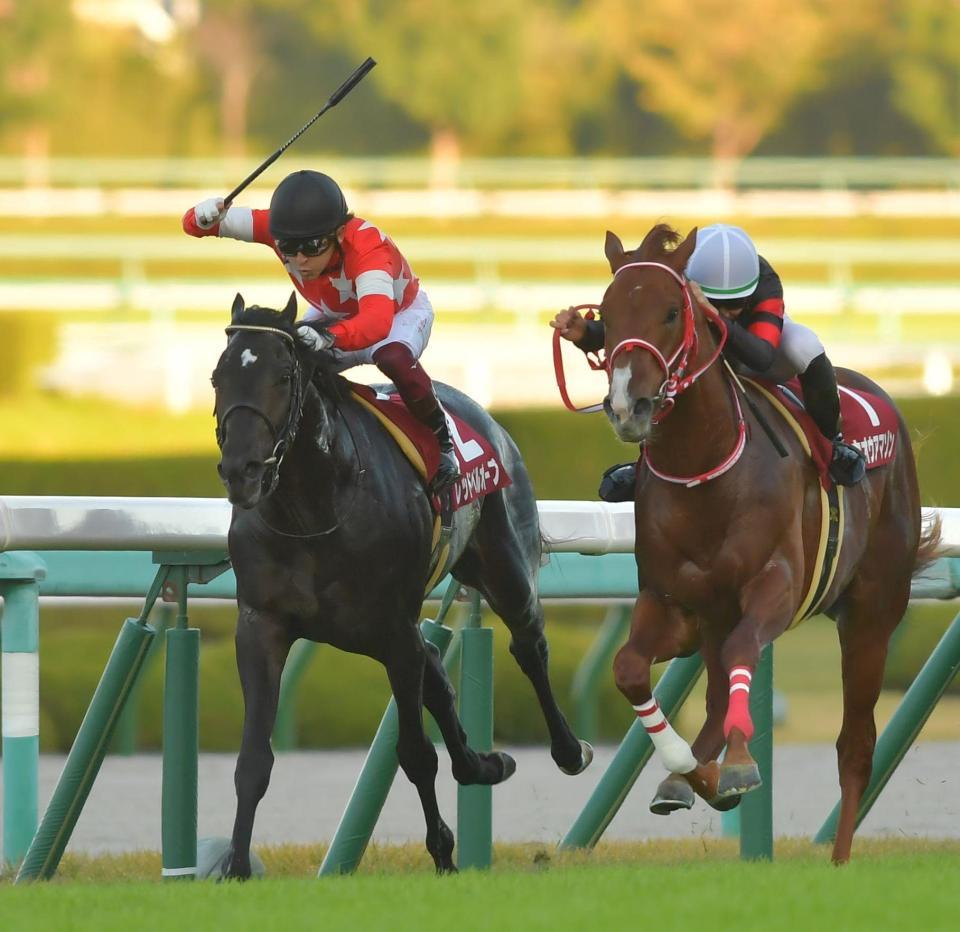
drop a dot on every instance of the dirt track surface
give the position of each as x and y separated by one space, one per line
309 789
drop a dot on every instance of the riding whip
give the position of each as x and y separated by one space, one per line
334 99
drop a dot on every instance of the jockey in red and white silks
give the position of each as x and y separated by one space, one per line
365 303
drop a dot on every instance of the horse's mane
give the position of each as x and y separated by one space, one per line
657 244
255 316
325 377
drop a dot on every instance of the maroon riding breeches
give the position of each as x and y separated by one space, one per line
396 362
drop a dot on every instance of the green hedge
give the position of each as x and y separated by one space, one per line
29 341
565 454
342 696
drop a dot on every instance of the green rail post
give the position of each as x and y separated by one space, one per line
594 667
20 576
905 724
756 807
90 745
125 740
475 803
181 735
285 737
366 802
635 750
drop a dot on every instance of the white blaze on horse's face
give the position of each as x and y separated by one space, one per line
247 358
629 415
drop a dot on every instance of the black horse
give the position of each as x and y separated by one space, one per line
330 540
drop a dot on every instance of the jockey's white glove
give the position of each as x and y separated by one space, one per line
210 212
315 339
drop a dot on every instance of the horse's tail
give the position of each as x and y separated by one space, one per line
930 539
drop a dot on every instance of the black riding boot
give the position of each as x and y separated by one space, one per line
449 469
822 401
619 483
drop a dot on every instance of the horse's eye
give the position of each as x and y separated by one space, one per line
285 377
672 315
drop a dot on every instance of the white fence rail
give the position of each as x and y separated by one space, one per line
77 523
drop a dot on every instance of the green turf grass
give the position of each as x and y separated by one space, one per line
685 885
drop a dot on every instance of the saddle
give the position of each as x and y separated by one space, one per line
481 471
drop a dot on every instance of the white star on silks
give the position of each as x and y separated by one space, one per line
399 287
345 286
325 310
367 225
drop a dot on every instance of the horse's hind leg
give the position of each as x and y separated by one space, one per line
405 659
871 610
262 644
502 562
469 766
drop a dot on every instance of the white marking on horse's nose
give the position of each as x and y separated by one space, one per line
247 358
620 402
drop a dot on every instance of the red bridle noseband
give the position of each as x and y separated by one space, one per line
676 378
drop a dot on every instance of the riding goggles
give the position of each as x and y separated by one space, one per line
313 246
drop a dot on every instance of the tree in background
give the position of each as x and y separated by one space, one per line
925 65
453 66
722 72
34 38
226 40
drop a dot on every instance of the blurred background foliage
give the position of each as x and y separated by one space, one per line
232 79
546 77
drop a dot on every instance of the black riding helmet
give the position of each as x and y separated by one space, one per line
306 204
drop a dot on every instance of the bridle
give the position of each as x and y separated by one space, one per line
676 377
285 436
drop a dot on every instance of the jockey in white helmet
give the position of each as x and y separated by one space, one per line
762 340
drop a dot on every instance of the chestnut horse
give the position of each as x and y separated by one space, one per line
726 562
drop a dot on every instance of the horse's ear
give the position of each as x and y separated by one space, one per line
681 255
289 313
613 250
237 309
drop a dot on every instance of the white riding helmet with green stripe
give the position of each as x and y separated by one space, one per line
725 263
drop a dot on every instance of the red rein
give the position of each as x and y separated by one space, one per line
676 379
595 364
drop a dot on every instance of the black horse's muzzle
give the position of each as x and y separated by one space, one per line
243 479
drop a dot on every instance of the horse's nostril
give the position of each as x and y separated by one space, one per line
607 407
642 407
251 470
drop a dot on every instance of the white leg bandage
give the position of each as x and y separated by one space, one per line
673 750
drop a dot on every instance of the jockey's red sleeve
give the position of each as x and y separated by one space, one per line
766 321
374 271
191 226
748 348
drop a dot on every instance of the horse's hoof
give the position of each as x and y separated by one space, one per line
509 766
586 757
737 779
724 804
673 793
216 860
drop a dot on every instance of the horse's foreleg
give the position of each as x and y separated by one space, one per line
415 751
469 766
767 606
262 644
651 637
